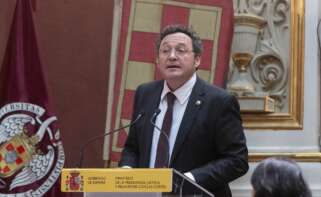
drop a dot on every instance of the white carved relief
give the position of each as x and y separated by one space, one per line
268 69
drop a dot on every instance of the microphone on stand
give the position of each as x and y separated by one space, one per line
152 121
139 116
177 182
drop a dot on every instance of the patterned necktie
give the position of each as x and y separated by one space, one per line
162 156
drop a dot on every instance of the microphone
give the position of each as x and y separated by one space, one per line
152 121
155 114
139 116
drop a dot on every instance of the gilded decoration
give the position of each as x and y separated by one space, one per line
267 62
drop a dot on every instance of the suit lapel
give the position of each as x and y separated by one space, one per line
192 108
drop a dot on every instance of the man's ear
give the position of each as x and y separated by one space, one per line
156 61
197 61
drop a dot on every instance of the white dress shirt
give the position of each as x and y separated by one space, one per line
182 96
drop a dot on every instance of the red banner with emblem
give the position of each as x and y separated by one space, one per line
140 24
31 151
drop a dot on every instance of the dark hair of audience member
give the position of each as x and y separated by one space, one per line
279 177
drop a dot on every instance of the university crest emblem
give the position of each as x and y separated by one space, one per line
31 151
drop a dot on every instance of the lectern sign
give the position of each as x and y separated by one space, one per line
116 180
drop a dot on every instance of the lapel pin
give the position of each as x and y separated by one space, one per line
198 102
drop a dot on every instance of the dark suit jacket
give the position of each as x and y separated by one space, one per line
210 142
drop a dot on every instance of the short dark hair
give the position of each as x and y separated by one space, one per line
171 29
279 176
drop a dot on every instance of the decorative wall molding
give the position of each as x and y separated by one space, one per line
299 157
271 35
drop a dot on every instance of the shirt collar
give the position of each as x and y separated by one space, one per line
183 92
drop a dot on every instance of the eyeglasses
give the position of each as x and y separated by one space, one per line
179 51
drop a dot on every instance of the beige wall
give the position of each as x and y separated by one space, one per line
74 41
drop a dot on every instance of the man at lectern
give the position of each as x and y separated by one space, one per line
188 124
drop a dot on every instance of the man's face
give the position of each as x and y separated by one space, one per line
176 59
